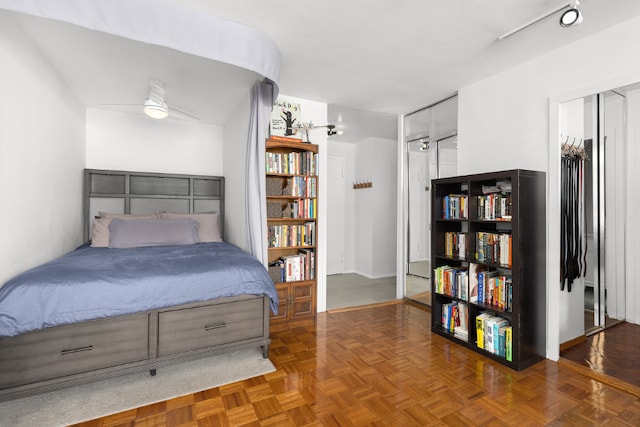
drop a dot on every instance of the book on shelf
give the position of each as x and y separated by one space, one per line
293 163
492 333
455 244
300 186
495 289
481 320
294 268
455 319
455 206
502 341
496 324
508 343
474 269
493 248
288 235
483 285
494 206
452 281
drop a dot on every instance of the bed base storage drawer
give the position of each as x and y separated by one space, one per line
202 327
64 350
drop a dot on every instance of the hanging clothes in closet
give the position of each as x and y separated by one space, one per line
572 223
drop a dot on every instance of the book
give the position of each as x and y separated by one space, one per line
480 326
473 281
508 343
461 328
502 341
499 323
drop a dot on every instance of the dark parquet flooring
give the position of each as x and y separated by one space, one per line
381 366
614 352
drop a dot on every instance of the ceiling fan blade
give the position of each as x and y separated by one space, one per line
180 113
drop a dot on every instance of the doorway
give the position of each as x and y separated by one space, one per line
608 310
601 151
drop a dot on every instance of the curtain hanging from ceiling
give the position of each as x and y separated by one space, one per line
262 98
572 224
165 23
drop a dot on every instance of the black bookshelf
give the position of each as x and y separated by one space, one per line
493 222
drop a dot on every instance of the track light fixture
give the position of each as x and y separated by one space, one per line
571 16
307 126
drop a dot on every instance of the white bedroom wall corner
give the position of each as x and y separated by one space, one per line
42 155
234 156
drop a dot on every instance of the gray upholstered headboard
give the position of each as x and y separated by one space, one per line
144 192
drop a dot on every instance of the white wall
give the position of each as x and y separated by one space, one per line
346 151
41 157
135 142
375 208
515 113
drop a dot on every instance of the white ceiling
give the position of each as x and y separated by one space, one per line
368 59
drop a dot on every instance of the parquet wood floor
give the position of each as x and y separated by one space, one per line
381 366
614 352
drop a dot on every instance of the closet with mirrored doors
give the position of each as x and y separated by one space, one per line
429 145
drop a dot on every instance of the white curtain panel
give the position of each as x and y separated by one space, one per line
263 96
167 24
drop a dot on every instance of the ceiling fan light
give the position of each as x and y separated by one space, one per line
155 110
571 17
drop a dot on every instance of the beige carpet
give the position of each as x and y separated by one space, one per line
89 401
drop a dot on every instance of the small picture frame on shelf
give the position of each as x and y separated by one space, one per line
285 119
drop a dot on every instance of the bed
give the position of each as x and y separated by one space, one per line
115 306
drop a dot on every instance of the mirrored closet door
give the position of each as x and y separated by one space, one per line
430 139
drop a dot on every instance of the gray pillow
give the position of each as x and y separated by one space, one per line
131 233
209 230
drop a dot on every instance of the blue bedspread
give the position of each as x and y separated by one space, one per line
92 283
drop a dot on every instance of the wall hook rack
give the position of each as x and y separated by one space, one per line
362 184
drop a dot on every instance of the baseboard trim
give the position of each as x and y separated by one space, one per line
571 343
603 378
366 306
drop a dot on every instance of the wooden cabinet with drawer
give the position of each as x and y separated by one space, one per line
197 328
297 303
73 349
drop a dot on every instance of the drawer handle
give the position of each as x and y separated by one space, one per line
76 350
217 325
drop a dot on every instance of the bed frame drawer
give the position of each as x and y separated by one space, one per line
73 349
208 326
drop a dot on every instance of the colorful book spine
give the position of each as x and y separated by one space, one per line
508 343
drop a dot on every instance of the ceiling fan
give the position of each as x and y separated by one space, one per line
156 107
